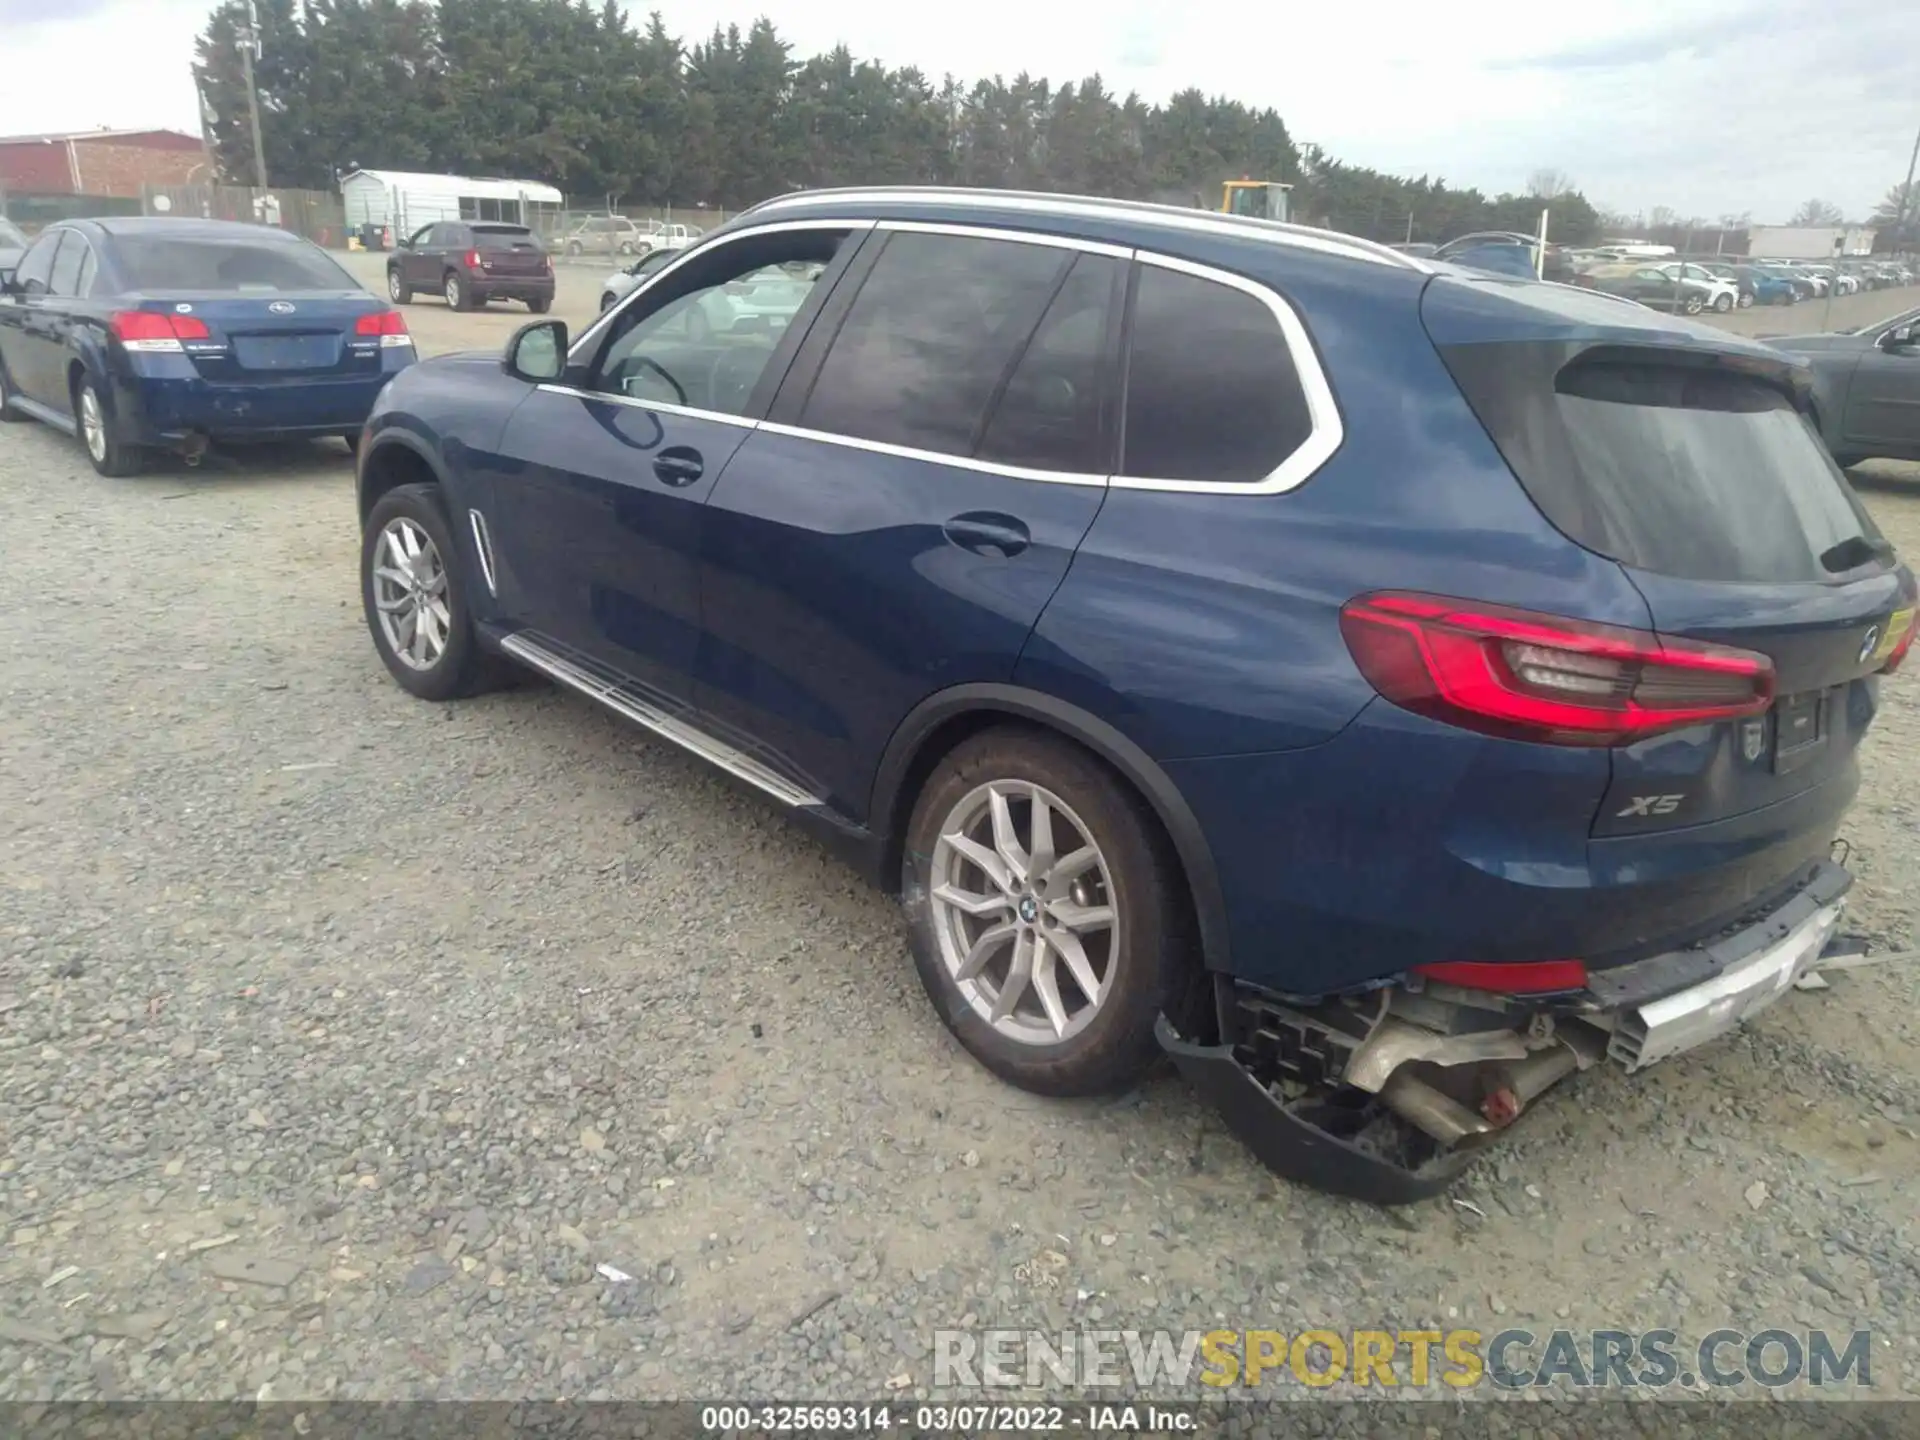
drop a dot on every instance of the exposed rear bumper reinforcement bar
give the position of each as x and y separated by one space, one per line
1288 1142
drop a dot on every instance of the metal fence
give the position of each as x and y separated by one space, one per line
589 231
33 210
312 214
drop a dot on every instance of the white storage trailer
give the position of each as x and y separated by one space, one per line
1808 242
402 202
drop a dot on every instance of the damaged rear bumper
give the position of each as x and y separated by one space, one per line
1387 1097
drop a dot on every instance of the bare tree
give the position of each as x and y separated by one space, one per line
1662 215
1818 212
1548 184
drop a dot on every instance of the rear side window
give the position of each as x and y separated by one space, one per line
36 266
68 264
1683 469
1212 392
1052 414
155 262
938 324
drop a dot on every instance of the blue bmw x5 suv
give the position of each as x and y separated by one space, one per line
1388 688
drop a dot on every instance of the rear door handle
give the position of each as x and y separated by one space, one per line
986 533
679 466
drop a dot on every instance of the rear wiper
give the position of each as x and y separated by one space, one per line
1852 553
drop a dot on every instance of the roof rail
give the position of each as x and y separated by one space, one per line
1173 217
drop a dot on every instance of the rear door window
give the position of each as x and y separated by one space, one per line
1212 392
1053 413
936 328
36 266
67 266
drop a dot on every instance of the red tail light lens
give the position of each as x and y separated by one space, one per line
1522 977
1908 622
1542 677
384 322
472 261
155 329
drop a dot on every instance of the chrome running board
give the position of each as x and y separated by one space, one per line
623 701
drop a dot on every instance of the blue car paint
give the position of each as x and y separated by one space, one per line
1330 838
161 399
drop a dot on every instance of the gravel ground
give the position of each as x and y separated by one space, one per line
342 1037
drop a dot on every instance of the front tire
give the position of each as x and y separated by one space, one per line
7 415
109 456
1047 913
415 599
398 290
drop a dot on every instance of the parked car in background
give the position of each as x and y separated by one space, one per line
1507 253
470 262
1723 292
1652 286
167 334
757 302
1767 287
605 235
1866 388
630 277
1419 248
671 237
1115 584
1805 286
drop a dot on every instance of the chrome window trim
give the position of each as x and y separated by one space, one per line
936 457
996 232
1168 217
664 407
702 246
1327 432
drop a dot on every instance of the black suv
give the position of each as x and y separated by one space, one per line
472 262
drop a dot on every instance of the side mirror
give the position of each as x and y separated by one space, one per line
537 353
6 282
1901 337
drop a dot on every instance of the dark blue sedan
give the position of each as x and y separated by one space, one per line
156 334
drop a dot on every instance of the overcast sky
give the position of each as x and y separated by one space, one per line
1707 106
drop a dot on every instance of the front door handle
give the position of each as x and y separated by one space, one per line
679 466
987 533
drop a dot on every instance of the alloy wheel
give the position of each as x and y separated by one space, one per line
453 291
93 424
393 285
410 594
1023 912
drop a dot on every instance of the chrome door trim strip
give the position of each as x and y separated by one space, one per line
715 752
908 452
662 406
1322 440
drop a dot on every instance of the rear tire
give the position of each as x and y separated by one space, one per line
109 456
1694 305
1722 303
1093 947
459 294
413 517
541 305
398 290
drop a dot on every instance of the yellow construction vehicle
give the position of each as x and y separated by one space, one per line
1262 199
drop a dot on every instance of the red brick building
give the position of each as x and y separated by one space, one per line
101 162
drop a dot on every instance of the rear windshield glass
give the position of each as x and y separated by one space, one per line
166 263
1684 470
503 237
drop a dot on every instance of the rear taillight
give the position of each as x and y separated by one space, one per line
1905 623
1542 677
472 261
389 325
1521 977
154 331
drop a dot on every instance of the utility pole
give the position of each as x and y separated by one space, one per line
249 51
1906 191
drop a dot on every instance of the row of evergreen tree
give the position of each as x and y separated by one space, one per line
559 91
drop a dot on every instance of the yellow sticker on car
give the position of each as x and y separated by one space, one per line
1897 626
